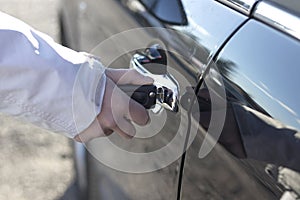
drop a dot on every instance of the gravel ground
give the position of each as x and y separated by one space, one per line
34 164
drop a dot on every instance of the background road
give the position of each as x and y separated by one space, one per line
34 164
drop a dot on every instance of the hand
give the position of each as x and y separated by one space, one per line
118 110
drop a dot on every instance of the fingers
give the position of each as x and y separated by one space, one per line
123 105
123 109
137 113
121 126
116 123
125 128
117 112
93 131
128 76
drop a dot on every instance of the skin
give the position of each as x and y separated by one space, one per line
118 110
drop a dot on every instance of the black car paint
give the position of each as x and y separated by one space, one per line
220 175
259 69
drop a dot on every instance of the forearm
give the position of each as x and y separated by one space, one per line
45 83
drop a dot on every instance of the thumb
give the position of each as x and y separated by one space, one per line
128 76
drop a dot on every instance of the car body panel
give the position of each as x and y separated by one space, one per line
273 93
209 25
259 68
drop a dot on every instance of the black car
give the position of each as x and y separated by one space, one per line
233 66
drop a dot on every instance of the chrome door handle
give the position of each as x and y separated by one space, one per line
152 63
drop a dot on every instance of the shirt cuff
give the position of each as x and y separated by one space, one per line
88 92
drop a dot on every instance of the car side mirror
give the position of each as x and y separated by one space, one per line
168 11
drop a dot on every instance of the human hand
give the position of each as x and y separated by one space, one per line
118 110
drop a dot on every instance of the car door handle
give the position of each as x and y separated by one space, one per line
165 90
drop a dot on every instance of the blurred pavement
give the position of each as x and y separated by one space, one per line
34 164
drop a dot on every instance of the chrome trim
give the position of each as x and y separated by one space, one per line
243 6
278 18
167 86
81 166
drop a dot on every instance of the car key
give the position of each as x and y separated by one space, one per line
149 95
145 94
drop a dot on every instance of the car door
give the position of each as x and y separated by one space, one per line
190 39
191 44
101 19
120 168
258 69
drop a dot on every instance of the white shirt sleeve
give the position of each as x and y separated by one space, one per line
45 83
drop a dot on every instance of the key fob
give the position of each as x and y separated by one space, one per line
143 94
